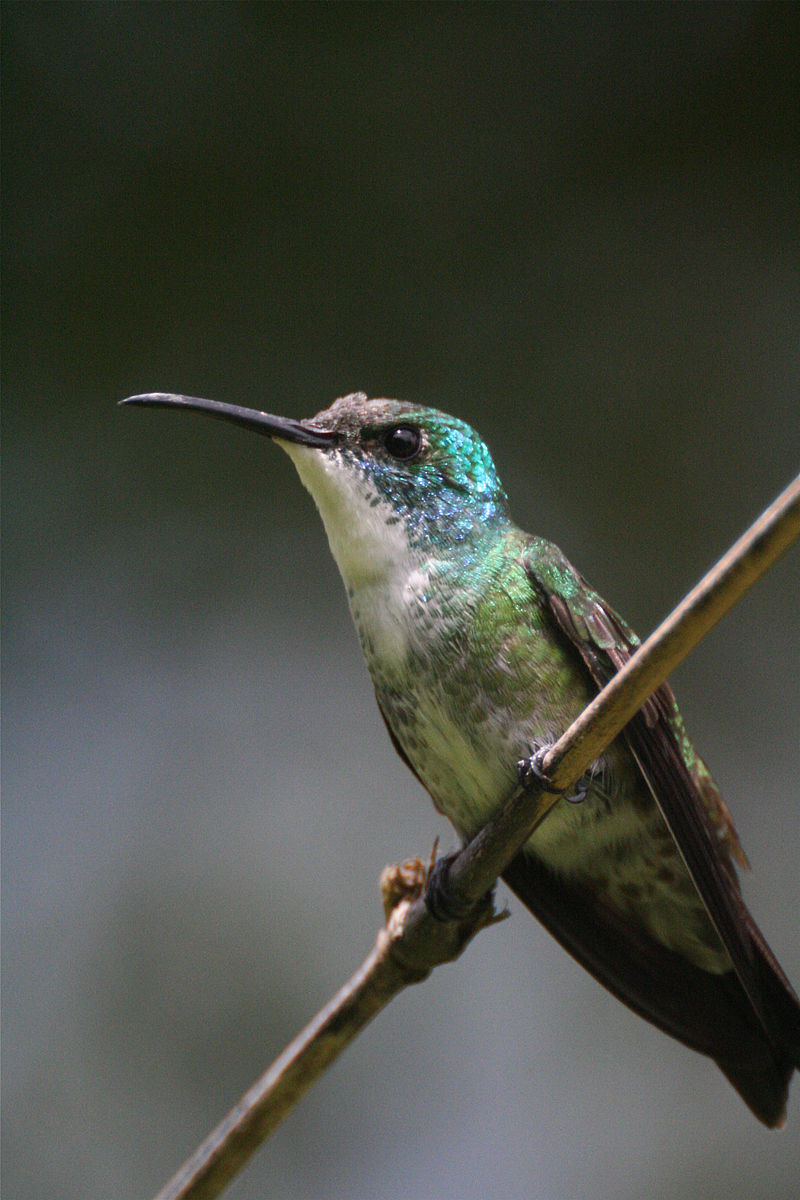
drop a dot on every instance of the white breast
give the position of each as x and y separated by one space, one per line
381 573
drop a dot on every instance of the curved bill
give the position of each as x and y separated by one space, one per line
260 422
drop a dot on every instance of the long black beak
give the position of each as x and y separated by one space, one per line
260 422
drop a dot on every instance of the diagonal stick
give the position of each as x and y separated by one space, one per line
413 942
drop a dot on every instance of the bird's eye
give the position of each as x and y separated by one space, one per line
403 441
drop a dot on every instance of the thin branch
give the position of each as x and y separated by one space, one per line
272 1097
413 941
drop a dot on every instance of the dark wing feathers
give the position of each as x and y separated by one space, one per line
708 1013
711 1013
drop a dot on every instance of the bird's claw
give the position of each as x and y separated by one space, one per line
439 898
530 773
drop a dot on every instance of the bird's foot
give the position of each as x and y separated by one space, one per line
439 898
531 774
443 904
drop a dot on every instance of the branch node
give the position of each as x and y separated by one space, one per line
402 881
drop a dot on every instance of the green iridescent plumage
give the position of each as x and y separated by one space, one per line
483 644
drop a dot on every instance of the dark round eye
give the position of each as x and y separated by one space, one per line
403 441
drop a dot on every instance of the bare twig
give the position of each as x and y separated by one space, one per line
413 942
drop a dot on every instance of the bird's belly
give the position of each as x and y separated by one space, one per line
467 761
469 768
616 844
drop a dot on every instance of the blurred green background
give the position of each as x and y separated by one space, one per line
575 225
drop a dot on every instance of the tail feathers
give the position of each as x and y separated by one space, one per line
755 1044
761 1066
761 1061
761 1076
782 1007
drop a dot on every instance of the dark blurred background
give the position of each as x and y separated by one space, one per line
576 226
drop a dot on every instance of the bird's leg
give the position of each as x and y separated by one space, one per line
439 898
531 774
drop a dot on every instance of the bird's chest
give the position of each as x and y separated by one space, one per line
444 690
468 689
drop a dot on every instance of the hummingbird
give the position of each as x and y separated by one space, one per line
483 644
